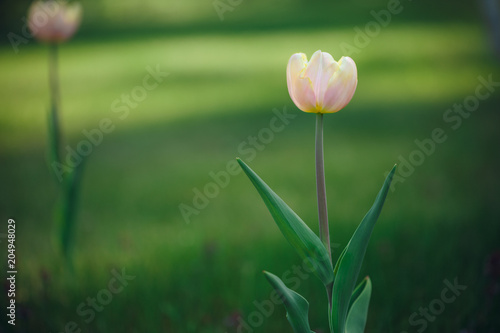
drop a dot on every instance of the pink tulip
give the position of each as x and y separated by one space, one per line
54 21
321 85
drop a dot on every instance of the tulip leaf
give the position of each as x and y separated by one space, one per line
335 270
54 137
297 307
337 264
68 207
358 309
299 235
350 263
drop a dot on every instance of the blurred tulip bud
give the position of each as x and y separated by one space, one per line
321 85
54 21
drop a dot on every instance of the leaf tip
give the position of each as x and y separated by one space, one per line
240 162
391 173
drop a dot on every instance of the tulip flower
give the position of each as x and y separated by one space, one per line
321 85
54 21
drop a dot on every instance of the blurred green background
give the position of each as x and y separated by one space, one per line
226 77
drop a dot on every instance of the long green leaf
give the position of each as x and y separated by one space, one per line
358 309
68 208
297 307
350 262
337 264
335 270
304 240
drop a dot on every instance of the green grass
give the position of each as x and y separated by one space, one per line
440 223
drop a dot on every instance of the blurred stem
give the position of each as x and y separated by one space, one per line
54 98
324 233
70 183
68 213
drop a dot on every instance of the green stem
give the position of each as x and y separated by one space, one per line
54 99
70 183
324 233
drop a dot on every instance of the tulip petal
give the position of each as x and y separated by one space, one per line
341 86
320 69
321 85
299 87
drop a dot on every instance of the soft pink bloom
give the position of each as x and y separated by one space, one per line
54 21
321 85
